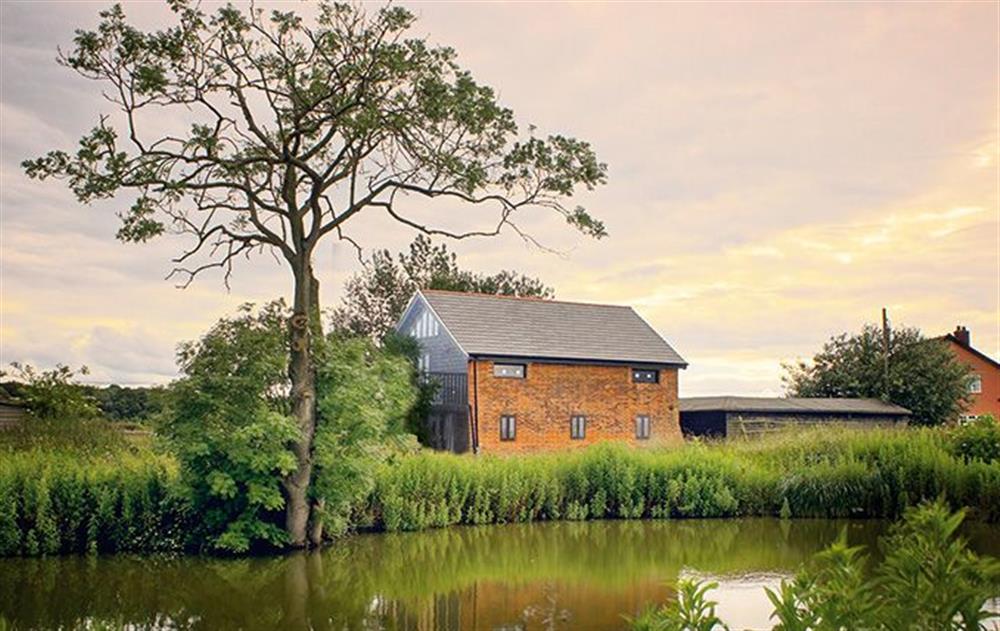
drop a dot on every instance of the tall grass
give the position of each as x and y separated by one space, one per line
60 502
826 473
106 497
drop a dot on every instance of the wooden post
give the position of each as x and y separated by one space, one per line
885 354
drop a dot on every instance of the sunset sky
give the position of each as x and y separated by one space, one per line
778 172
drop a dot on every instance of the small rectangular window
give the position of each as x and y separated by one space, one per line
577 427
508 427
642 427
510 371
976 384
645 376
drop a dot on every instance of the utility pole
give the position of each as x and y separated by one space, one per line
885 354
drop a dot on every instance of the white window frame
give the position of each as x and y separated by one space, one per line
508 427
976 384
578 427
510 371
643 426
656 375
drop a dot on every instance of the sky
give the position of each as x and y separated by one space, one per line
778 173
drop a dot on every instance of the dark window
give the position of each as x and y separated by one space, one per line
645 376
508 427
511 371
642 427
577 427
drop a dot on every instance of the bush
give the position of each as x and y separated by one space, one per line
60 502
979 439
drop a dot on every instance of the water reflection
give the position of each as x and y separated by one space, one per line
537 576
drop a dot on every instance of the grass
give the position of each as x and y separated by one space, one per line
85 488
819 473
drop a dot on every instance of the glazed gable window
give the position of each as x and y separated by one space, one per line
641 375
509 371
508 427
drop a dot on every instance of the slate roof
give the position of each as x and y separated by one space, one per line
790 405
501 326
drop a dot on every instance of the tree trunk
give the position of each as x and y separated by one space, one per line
302 373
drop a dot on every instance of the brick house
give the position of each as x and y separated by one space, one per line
984 387
524 374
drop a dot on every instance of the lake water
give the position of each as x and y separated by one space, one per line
532 576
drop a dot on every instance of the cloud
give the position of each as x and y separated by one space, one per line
778 173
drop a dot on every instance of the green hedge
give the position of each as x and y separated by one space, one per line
62 502
817 474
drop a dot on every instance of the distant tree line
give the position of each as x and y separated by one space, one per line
55 394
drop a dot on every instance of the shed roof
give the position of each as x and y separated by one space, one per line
791 405
503 326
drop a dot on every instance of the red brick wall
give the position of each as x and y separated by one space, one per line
550 393
987 402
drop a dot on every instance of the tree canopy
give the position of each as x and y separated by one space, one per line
295 128
229 421
374 298
923 374
292 127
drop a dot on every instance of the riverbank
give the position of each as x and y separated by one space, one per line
113 499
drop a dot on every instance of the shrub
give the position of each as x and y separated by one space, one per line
978 439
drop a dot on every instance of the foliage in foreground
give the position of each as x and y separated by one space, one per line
230 424
924 376
927 580
813 474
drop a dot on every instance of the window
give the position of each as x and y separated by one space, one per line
976 384
425 326
577 427
510 371
508 427
424 363
645 376
642 427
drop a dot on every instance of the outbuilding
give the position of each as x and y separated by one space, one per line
728 416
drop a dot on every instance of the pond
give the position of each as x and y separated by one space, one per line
569 575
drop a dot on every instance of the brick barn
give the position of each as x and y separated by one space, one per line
524 374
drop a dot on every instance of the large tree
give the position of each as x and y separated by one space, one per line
295 127
918 373
375 297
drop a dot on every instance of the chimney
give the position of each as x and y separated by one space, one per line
962 335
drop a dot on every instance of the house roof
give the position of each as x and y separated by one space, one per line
954 340
790 405
503 326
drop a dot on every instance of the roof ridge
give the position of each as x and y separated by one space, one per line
479 294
